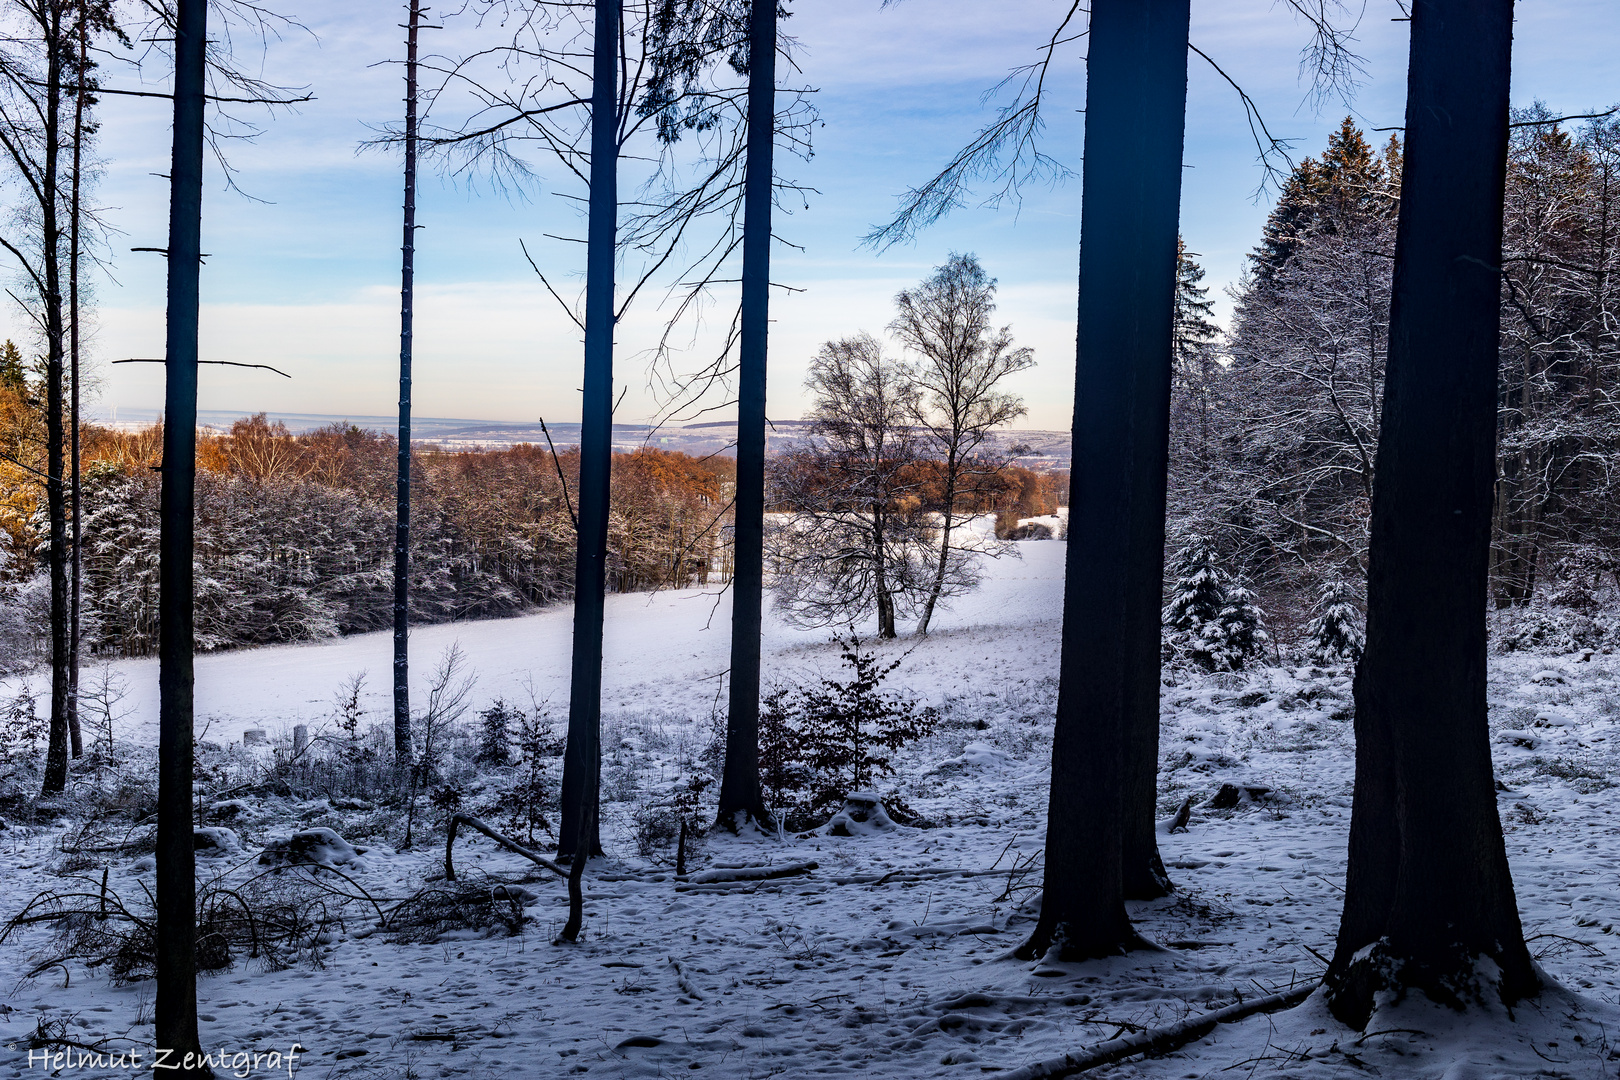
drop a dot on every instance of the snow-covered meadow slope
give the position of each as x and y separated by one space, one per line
891 957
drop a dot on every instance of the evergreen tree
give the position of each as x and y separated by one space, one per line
1350 180
1194 364
1238 633
1335 633
1194 328
495 734
1197 597
1287 221
1101 844
13 376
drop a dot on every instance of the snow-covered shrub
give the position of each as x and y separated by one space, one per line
489 907
1334 634
1583 577
312 847
656 823
1548 629
821 740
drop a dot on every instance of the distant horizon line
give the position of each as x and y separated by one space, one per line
148 414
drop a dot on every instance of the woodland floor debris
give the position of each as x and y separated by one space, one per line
890 957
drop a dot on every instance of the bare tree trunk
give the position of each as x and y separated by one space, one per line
75 501
58 747
582 758
882 586
1107 713
402 489
740 796
1428 894
176 942
952 467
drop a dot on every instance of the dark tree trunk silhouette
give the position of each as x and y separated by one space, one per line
75 585
740 796
582 759
1428 892
176 944
402 493
49 283
1107 713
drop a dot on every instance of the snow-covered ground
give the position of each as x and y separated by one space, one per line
891 957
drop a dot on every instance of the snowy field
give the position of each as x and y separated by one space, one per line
891 957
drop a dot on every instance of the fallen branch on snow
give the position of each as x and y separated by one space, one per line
1157 1040
910 874
746 873
686 984
505 841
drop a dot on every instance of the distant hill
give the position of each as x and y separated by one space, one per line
1041 450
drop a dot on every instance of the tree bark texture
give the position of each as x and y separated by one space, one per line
75 208
1428 891
176 945
740 796
402 489
1105 743
59 741
582 760
947 525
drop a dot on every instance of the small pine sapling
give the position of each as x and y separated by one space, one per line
526 801
1198 595
781 755
348 712
1335 633
1239 633
830 738
495 734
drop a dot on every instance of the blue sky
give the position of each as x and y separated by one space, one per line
308 278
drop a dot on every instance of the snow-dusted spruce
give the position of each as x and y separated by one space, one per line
1210 619
1335 634
1198 594
1239 634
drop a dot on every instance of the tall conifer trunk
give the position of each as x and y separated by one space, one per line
76 490
1428 893
1107 712
582 760
176 943
740 794
402 489
60 740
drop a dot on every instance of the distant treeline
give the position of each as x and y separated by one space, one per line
295 531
